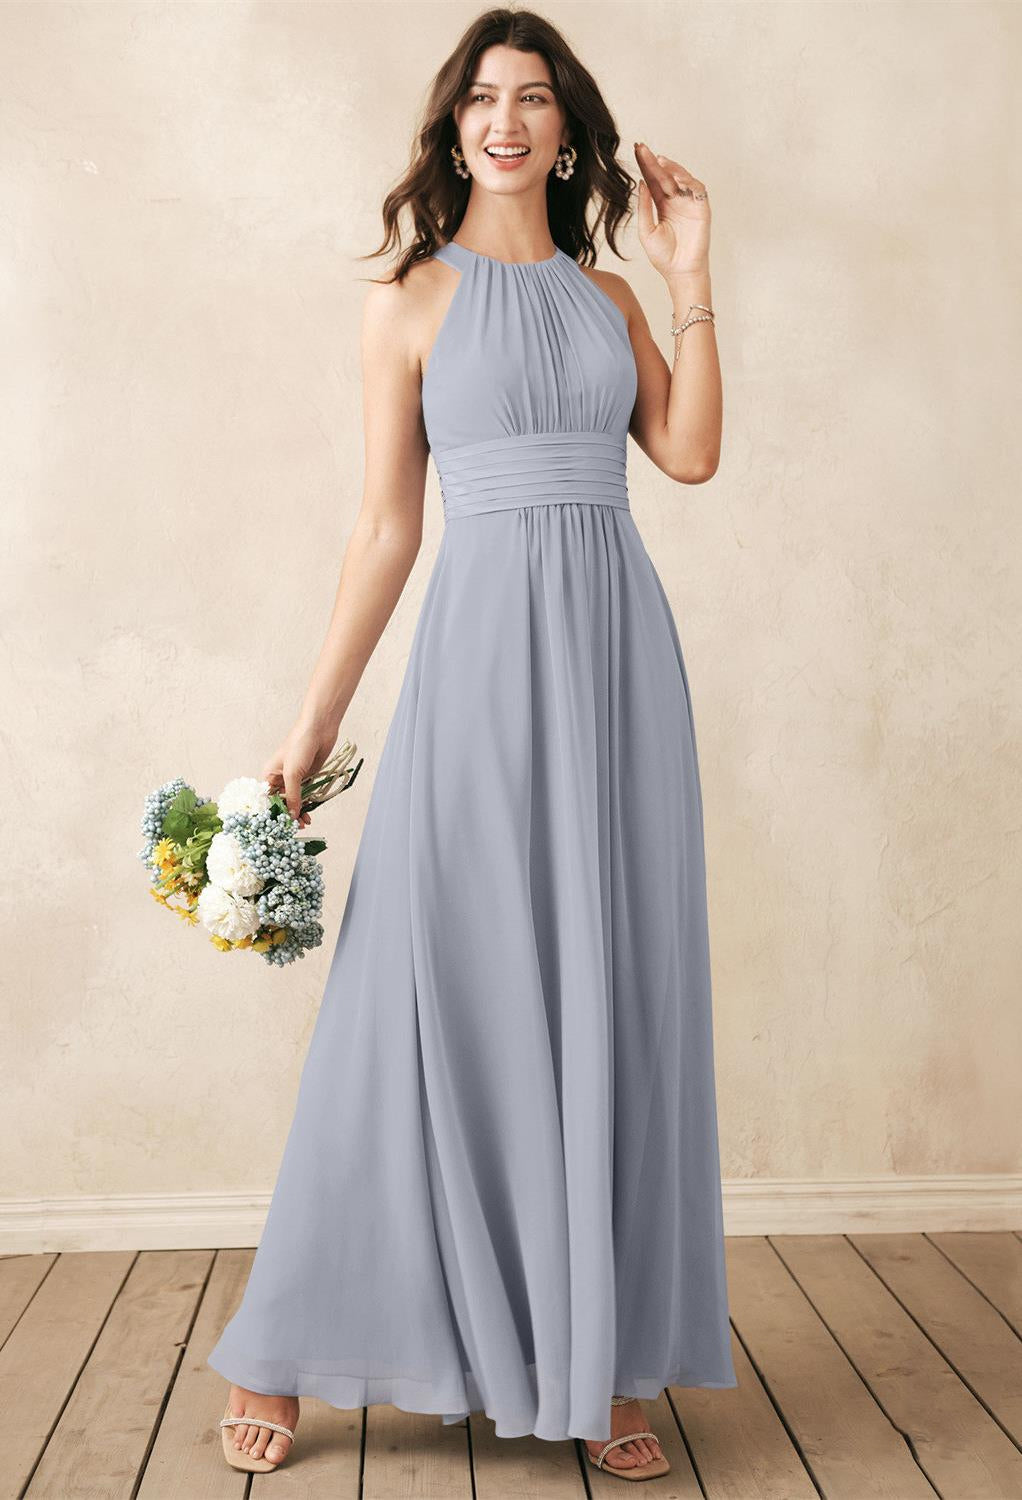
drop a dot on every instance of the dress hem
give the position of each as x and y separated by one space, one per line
322 1387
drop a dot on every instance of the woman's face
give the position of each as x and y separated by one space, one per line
510 102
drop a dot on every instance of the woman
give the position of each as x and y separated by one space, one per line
501 1188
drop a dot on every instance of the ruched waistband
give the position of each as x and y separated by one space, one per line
539 468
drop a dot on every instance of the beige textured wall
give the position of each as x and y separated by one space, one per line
185 189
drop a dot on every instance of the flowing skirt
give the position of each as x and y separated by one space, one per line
501 1186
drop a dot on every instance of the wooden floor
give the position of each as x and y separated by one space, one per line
868 1365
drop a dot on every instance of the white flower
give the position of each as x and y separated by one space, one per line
227 866
225 916
243 794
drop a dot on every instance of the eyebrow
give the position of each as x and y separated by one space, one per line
477 83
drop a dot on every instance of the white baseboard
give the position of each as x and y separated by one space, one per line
190 1221
873 1205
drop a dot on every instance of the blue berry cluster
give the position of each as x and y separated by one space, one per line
293 896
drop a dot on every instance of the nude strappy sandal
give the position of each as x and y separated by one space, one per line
241 1460
651 1470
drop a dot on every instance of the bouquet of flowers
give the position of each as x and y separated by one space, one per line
238 865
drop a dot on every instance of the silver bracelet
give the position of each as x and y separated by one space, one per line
700 307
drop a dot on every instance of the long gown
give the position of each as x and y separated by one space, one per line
501 1188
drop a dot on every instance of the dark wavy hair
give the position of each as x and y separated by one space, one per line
436 196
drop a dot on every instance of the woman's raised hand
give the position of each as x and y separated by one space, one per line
677 240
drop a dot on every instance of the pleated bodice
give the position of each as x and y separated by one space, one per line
529 386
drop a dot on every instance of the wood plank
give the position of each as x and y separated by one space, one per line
680 1484
738 1443
843 1437
185 1459
101 1439
972 1336
414 1456
20 1278
327 1457
993 1262
525 1467
956 1444
45 1351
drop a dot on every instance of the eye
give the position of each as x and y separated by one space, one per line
541 97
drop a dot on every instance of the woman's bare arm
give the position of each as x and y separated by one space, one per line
384 541
678 413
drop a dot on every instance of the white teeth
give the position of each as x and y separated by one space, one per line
507 150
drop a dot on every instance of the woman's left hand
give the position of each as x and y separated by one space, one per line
678 243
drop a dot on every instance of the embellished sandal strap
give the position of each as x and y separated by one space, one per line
622 1400
616 1442
256 1422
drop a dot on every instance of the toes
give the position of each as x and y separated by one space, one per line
277 1449
262 1438
637 1452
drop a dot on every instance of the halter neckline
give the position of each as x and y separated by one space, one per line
495 260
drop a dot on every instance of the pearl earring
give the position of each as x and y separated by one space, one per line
564 164
459 162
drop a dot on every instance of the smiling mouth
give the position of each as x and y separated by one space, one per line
506 153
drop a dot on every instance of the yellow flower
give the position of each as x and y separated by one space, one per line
261 944
165 855
280 936
221 943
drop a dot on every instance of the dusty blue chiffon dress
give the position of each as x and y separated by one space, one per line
501 1188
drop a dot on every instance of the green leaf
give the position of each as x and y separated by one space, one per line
176 825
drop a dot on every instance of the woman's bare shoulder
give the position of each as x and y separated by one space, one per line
406 312
387 299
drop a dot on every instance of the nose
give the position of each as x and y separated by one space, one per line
506 121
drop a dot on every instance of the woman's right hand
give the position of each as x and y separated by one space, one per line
300 756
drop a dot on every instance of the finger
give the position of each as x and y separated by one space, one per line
670 165
293 791
644 213
681 175
660 183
